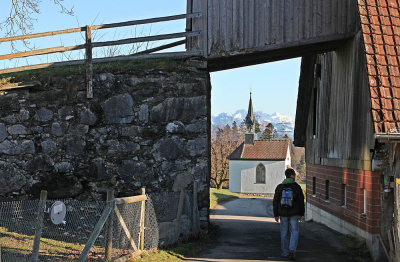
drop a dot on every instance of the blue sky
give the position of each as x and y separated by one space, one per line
274 85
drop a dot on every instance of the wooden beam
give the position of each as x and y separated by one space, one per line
89 65
159 48
142 219
132 199
146 39
125 228
146 21
45 51
36 35
39 225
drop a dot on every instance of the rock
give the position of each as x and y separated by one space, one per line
118 109
11 178
3 132
122 146
79 129
199 126
37 129
74 146
40 163
170 148
98 169
66 113
64 167
176 127
169 167
23 115
6 147
56 129
10 119
144 113
197 147
27 147
181 181
131 170
182 108
61 186
17 130
106 77
43 115
87 117
131 131
49 147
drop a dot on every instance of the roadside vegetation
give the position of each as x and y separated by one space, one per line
180 251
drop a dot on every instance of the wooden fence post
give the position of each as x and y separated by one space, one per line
195 218
109 234
89 64
39 225
179 213
142 218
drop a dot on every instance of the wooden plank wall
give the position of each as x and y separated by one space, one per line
344 134
235 26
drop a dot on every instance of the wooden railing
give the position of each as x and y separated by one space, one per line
89 45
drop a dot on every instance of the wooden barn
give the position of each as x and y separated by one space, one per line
348 119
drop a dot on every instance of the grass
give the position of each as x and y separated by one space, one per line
219 196
16 247
180 251
356 249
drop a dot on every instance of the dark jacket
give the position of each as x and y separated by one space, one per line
298 201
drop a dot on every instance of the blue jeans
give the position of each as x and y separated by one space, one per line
289 233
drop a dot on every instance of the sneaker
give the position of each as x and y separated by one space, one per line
291 256
284 256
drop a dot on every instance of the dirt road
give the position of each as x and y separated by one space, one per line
249 233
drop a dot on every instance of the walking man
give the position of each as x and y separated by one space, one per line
289 208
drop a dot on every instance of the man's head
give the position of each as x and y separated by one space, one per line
289 172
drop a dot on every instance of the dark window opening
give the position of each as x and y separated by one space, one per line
260 174
326 189
344 195
314 185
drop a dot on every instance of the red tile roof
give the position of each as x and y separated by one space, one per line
380 22
261 150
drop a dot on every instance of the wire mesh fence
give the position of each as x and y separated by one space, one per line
65 242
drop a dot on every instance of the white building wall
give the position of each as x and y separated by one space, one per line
242 176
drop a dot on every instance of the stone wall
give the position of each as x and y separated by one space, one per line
147 126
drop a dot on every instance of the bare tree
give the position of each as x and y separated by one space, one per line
21 18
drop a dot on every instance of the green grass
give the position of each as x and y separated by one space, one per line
219 196
182 250
357 250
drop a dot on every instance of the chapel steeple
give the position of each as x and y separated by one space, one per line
250 124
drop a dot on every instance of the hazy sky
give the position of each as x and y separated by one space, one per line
274 85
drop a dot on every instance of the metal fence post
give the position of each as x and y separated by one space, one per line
143 191
39 225
109 234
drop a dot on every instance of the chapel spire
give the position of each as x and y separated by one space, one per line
250 124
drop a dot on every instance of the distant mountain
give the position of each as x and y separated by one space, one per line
283 124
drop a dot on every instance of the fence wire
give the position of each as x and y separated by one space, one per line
65 242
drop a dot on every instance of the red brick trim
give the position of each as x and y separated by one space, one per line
356 181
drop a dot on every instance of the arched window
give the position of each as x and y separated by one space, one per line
260 174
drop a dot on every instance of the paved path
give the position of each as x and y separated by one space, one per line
249 233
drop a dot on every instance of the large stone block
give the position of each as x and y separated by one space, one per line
17 130
170 148
197 147
118 109
122 146
87 117
74 146
181 108
3 132
11 178
43 115
49 146
131 170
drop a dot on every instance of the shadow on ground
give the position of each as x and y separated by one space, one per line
248 232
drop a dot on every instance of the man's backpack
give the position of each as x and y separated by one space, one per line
287 197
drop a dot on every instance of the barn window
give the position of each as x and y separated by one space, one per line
344 195
314 185
326 190
260 174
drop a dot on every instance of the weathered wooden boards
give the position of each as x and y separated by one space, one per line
241 27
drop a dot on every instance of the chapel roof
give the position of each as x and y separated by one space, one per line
261 150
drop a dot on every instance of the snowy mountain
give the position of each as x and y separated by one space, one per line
283 124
